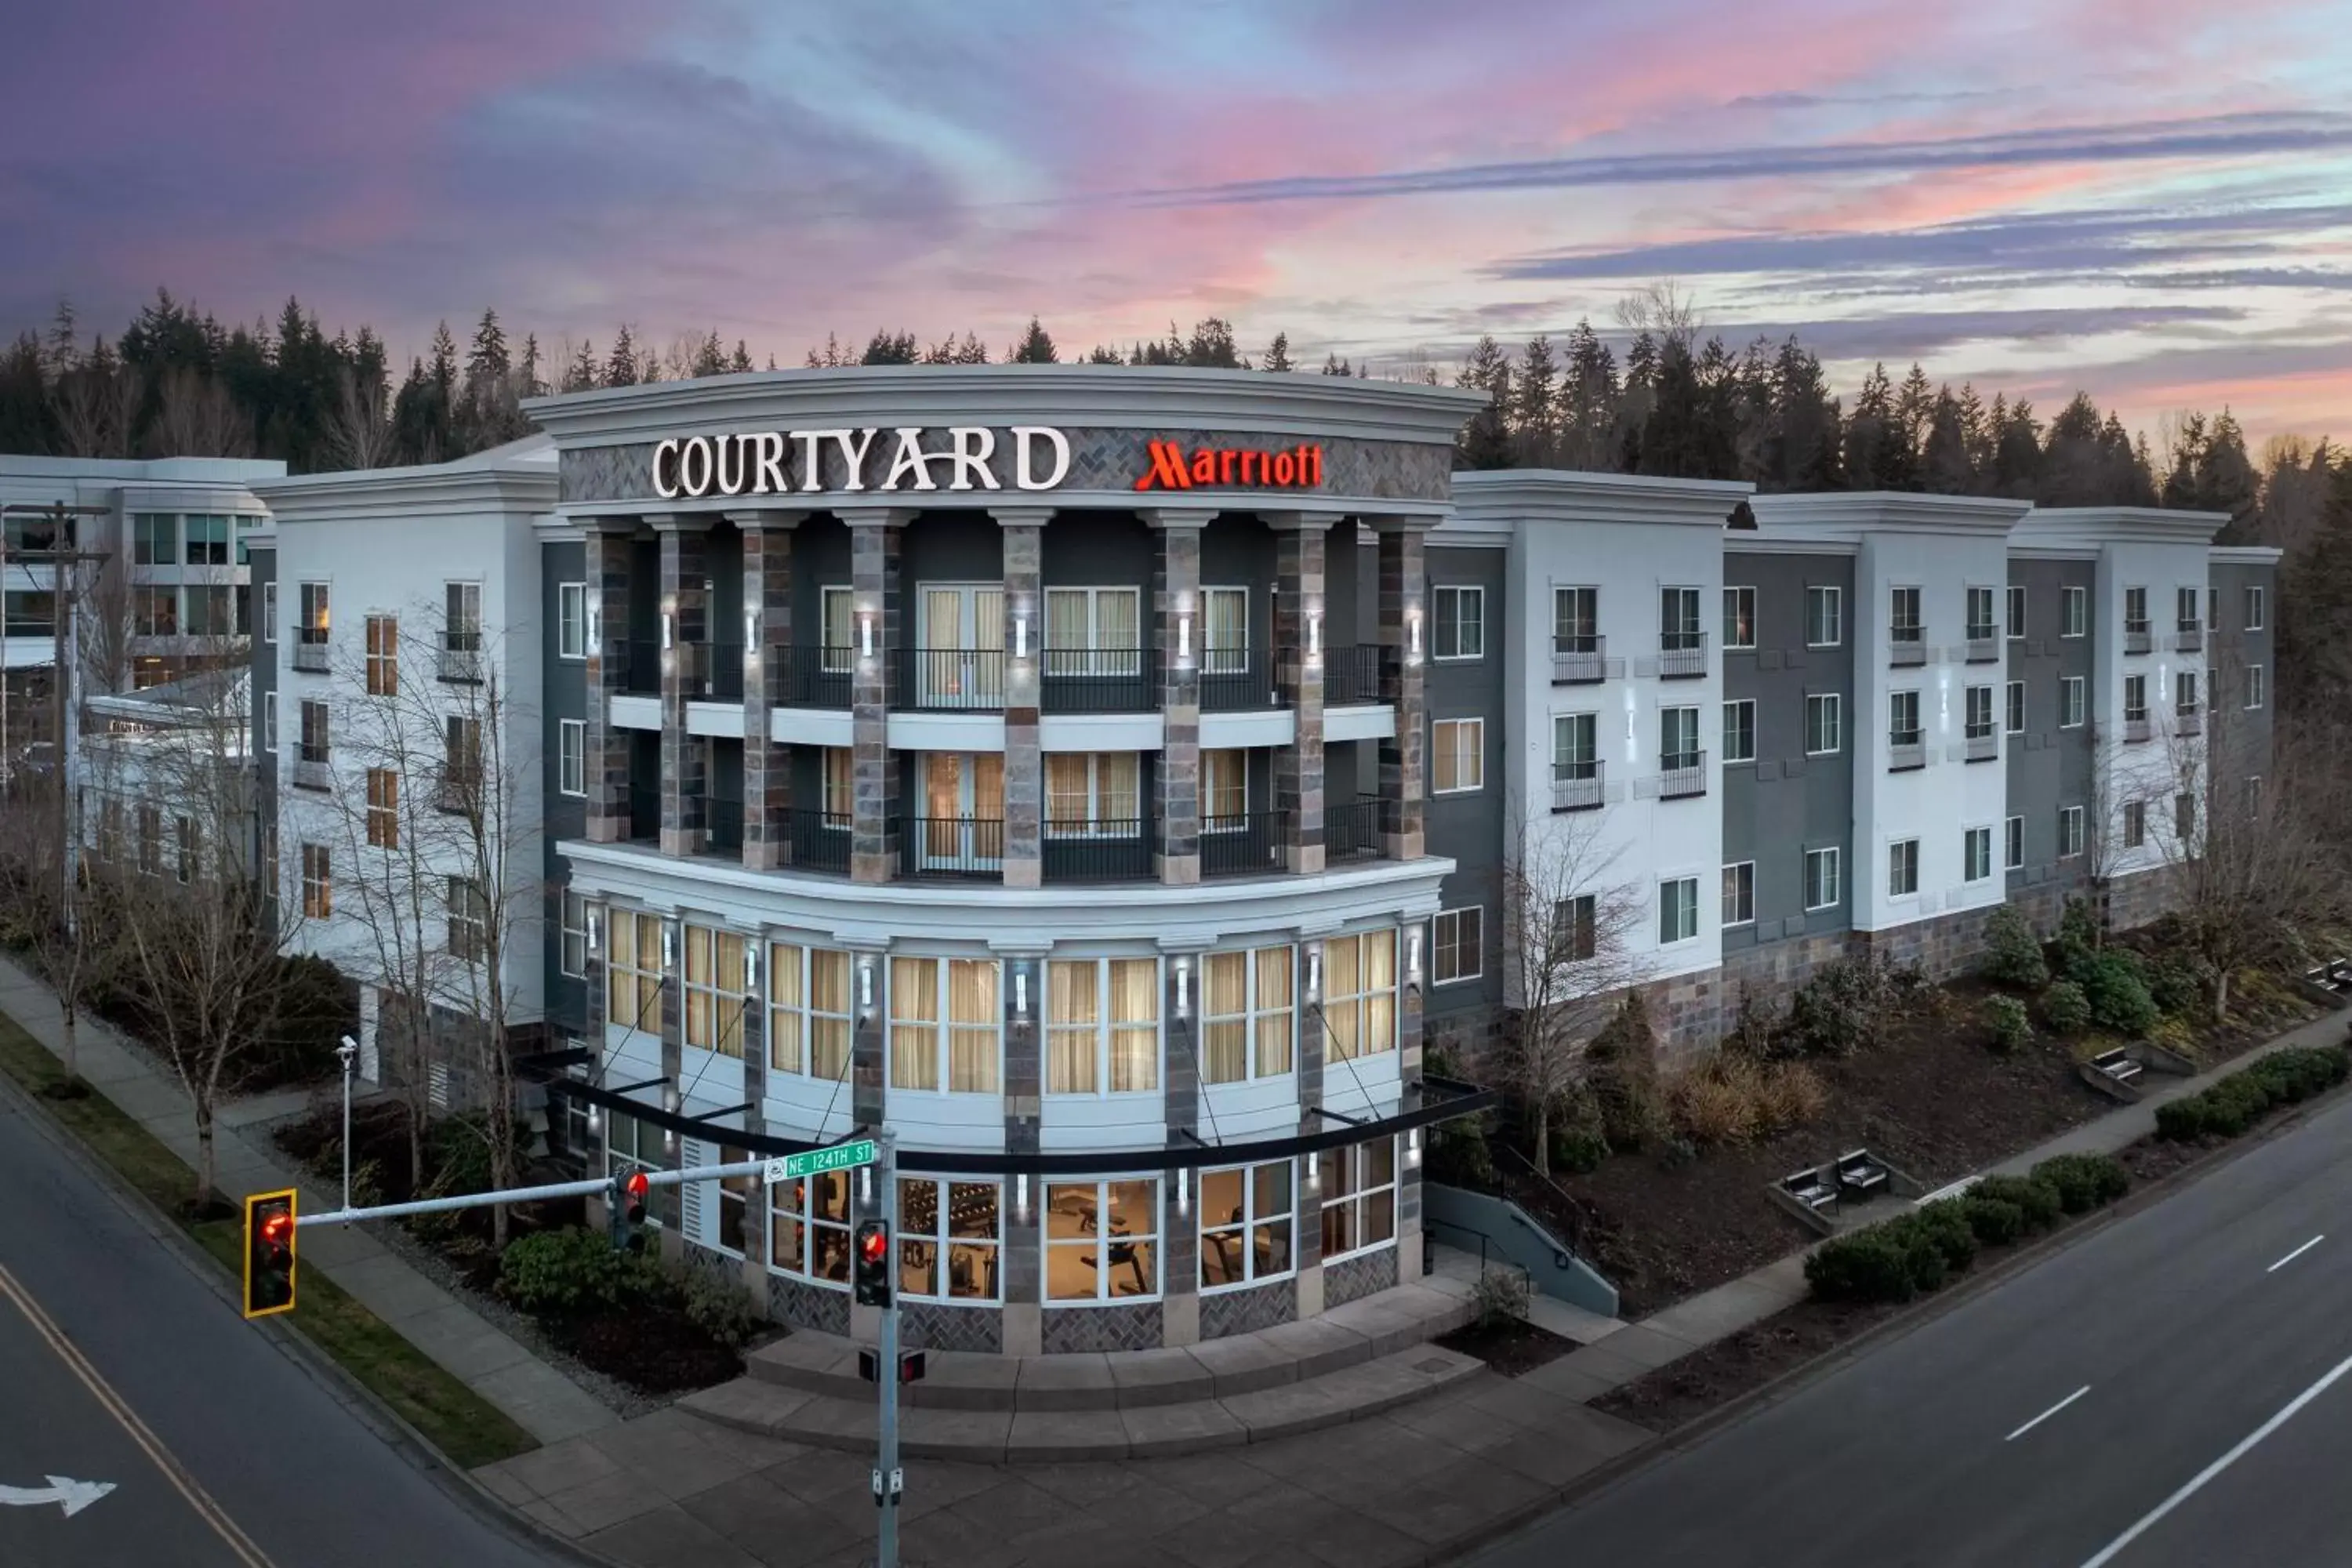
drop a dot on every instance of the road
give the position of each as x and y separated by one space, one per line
122 1365
2174 1391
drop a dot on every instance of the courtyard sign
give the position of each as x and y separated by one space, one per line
779 462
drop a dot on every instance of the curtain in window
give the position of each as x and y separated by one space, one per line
1274 1003
839 633
914 1022
1065 620
828 1014
1068 789
988 797
1224 639
784 1003
1379 986
1225 785
1135 1024
943 621
1341 973
1116 782
1224 1002
1117 630
974 1031
1073 1014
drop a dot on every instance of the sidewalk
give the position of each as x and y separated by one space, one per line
542 1401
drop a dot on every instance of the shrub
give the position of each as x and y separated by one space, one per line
1868 1265
2174 987
2084 1182
1623 1075
1945 1225
1849 1002
1501 1296
1731 1098
2078 935
718 1307
1578 1149
2117 995
2006 1017
2036 1201
570 1271
2012 952
2182 1121
1792 1094
2065 1007
1995 1221
2237 1103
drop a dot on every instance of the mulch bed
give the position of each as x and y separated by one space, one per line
1685 1390
653 1347
1509 1347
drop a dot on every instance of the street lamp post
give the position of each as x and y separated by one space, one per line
348 1054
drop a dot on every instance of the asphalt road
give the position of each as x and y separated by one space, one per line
2205 1434
121 1364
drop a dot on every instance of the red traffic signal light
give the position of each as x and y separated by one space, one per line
637 1187
873 1263
269 1233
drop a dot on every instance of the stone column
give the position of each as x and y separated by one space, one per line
1024 627
1298 634
1404 649
685 611
608 551
1176 783
1180 1228
768 636
873 592
1024 1081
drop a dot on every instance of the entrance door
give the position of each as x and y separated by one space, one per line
962 829
961 659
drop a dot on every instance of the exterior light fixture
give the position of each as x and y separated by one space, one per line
1315 635
1413 956
670 1102
865 1186
865 984
750 968
866 634
669 629
595 628
1314 1172
1020 1196
1413 635
595 930
751 634
669 944
595 1120
1020 637
1184 1192
1020 993
1314 972
1184 636
1413 1148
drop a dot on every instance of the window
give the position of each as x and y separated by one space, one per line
382 809
207 611
314 732
1574 747
1981 625
1245 1006
1093 631
808 1228
2016 716
269 612
269 722
2013 849
2016 611
1093 794
1678 620
1360 994
946 1028
2070 702
31 612
2135 698
1739 731
1980 714
1461 623
1903 624
808 1011
1903 719
1824 616
246 525
1102 1025
734 1195
185 840
2254 679
574 959
2185 609
631 1145
1102 1240
1823 887
1457 755
312 628
461 620
2184 692
2254 609
1224 631
1677 909
1903 868
207 541
2214 608
469 917
2135 612
2135 823
713 991
461 762
2070 832
1225 790
151 841
837 617
1739 894
2074 607
571 756
1576 620
572 620
1677 738
1824 723
1456 939
633 972
156 612
1246 1224
317 884
838 785
1739 617
1976 855
383 656
154 540
2184 820
1358 1187
110 829
1576 928
948 1240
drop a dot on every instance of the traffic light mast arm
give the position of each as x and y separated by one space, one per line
591 1187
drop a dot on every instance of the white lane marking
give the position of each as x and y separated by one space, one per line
2047 1414
2298 1252
72 1495
2147 1522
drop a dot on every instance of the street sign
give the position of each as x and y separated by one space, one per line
816 1162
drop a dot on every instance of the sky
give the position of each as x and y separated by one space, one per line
2148 199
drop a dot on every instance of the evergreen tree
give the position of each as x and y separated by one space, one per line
971 351
26 418
1486 441
1278 354
740 365
1945 466
621 365
1212 345
2225 475
1534 405
1975 429
1805 444
442 365
62 354
579 376
1102 354
1036 347
891 347
2017 450
2073 461
1334 365
1684 434
709 359
1870 434
1588 402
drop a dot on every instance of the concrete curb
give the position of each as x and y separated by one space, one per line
1910 1319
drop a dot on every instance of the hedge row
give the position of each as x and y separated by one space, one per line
1915 1253
2240 1101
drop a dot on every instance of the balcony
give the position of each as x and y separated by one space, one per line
1984 748
1238 680
1907 646
1107 851
2189 639
2136 638
1682 656
1681 775
1351 676
1095 680
723 671
722 826
311 651
459 658
1579 660
313 773
1352 832
641 675
810 677
456 791
1984 645
952 680
962 846
1576 786
645 814
2136 729
2188 721
817 840
1245 845
1906 750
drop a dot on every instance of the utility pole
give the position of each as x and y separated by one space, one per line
65 682
890 1480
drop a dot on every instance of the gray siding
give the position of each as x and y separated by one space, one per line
820 561
2244 734
950 547
2049 768
264 648
1469 827
1785 803
565 695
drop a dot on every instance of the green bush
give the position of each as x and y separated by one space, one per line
2084 1182
2182 1121
2036 1201
1502 1296
570 1271
1577 1149
2174 987
2066 1008
1995 1221
1945 1225
2078 935
2227 1109
1849 1002
2012 952
2118 997
719 1306
1873 1264
2007 1019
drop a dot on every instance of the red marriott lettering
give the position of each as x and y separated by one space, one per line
1173 469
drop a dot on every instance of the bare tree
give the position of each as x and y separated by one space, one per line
47 889
1662 310
1569 955
2128 774
197 418
359 425
98 407
103 623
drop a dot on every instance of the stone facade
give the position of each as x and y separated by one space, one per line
1367 1274
1298 767
805 1305
937 1326
1246 1311
1070 1331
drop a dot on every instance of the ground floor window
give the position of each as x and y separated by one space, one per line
735 1194
1246 1235
808 1228
631 1145
1102 1240
948 1236
1359 1188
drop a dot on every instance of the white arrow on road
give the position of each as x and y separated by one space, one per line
72 1496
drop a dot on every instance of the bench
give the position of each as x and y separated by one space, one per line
1811 1189
2117 1064
1858 1172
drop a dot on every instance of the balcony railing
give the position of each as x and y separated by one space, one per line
2189 639
722 826
2188 722
309 654
1352 832
1352 675
2136 729
817 840
1984 748
1682 656
1245 845
313 773
723 671
645 814
460 657
810 677
2136 639
1682 774
952 680
1906 750
1095 680
1109 851
1906 645
1236 680
1579 660
457 790
1984 645
1576 786
642 676
952 847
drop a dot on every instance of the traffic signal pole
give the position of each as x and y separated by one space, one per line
890 1480
587 1188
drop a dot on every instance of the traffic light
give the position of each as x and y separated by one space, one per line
628 1218
874 1263
269 1235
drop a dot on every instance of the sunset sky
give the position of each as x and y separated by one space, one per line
2145 198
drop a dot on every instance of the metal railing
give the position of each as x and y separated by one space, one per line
722 826
460 658
1576 786
308 655
1682 774
817 840
1249 845
1906 749
456 789
1352 832
1234 680
1579 660
645 814
952 680
1907 645
1095 680
951 847
2188 722
2138 639
1107 851
1352 675
313 773
1984 645
641 675
723 671
2136 729
1984 748
2189 639
810 677
1682 656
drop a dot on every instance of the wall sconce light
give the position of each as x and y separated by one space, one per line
865 1186
1020 637
669 1134
1183 996
1020 993
866 634
669 630
1413 1148
669 944
1314 1172
1413 956
1315 635
1021 1197
595 930
1184 638
865 984
751 969
595 1121
1314 972
595 628
751 634
1184 1192
1413 635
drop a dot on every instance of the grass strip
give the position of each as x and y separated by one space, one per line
465 1428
